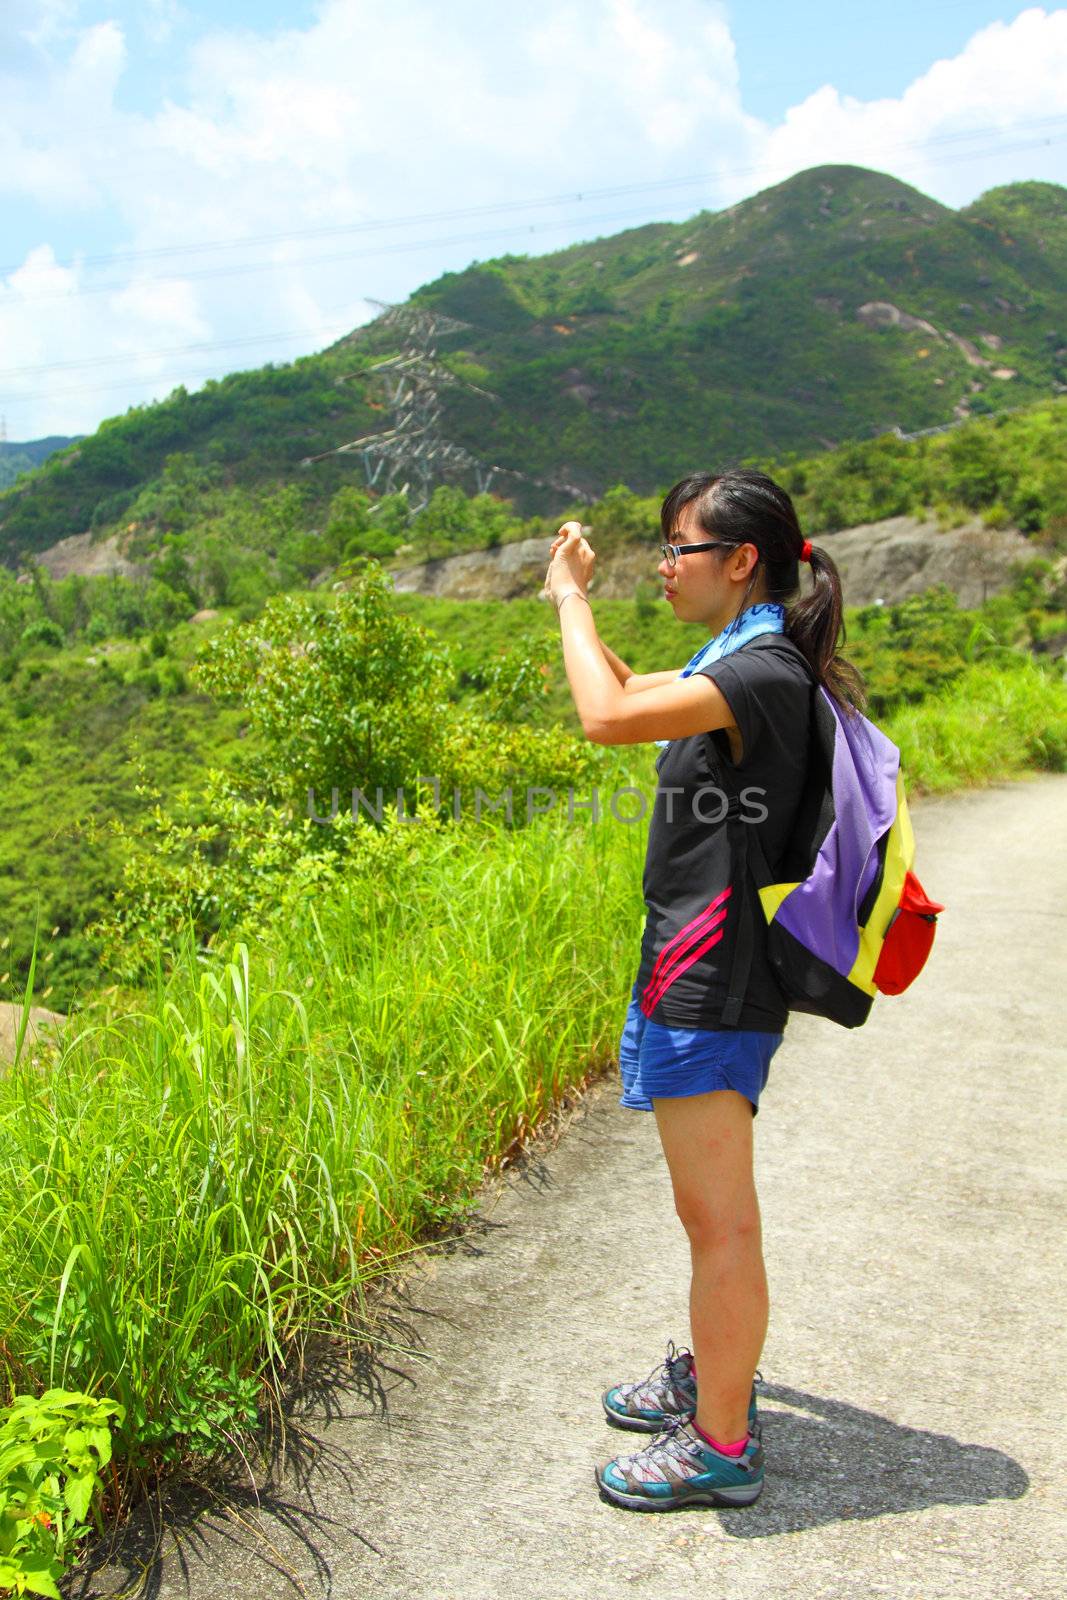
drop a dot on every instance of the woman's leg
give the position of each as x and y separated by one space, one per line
707 1139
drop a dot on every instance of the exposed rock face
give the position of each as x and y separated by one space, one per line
39 1024
78 554
902 556
510 572
881 560
882 314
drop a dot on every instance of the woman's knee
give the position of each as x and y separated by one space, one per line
710 1224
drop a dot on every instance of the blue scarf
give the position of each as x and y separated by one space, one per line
748 624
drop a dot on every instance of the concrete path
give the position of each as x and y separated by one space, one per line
912 1184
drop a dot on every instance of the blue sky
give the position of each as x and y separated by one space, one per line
142 143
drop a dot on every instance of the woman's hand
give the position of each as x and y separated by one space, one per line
572 563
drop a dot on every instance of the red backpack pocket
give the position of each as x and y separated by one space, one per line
908 939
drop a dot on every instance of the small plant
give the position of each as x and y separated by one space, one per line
45 632
52 1451
206 1409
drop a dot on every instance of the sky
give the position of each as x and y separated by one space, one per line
182 198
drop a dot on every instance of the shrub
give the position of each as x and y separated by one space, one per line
44 632
53 1448
997 720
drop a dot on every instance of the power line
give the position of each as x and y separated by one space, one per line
424 244
172 350
197 375
193 375
579 196
401 248
347 255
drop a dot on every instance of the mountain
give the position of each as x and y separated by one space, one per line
838 304
17 458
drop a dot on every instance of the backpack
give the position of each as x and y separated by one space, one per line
846 916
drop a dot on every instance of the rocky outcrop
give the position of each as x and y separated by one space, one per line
882 314
510 572
886 560
40 1027
78 554
901 556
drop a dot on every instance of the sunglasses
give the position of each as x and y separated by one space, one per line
671 552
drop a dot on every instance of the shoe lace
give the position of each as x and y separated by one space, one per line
663 1373
660 1373
669 1442
675 1442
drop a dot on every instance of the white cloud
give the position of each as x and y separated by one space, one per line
159 18
57 116
1007 76
377 110
35 23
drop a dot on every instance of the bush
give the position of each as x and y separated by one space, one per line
45 633
354 694
997 720
146 679
52 1450
346 700
218 855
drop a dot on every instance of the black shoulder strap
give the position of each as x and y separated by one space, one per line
746 860
737 836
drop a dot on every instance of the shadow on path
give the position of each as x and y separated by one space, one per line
828 1461
297 1470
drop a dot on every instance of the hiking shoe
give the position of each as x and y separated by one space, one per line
668 1392
681 1469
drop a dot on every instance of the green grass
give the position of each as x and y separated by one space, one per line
191 1190
992 723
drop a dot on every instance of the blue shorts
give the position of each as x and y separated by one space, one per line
660 1062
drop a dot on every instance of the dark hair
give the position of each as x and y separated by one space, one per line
742 506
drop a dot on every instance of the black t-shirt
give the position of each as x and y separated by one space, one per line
692 895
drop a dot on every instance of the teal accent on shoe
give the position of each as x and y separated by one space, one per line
669 1392
679 1469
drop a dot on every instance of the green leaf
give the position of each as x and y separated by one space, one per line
78 1492
100 1441
39 1574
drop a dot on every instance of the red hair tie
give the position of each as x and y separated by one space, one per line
805 550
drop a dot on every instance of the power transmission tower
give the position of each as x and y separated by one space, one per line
414 453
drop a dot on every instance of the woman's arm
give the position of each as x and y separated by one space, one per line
622 672
670 710
648 680
633 682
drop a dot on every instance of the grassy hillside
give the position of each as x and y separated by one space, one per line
835 305
743 332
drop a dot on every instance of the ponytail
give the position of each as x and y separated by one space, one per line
816 625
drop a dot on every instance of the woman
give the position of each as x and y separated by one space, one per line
698 1042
